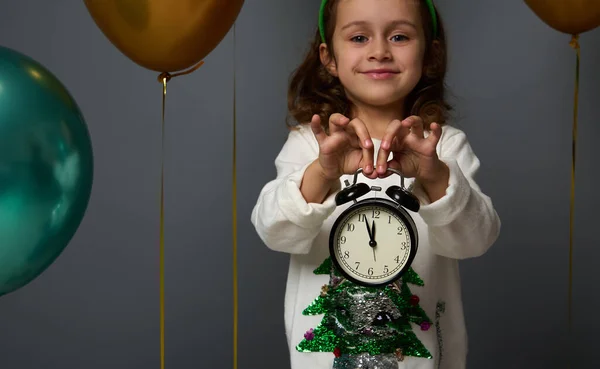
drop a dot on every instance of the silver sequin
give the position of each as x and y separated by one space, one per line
366 361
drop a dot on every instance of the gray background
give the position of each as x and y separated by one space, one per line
512 80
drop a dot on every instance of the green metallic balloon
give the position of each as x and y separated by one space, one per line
46 169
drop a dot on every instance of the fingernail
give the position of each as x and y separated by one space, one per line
368 142
380 169
368 169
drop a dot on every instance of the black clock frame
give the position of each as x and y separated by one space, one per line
391 206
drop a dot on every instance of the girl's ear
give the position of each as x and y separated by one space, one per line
327 60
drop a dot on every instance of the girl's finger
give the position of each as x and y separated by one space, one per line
395 130
337 122
394 135
415 123
315 125
364 140
436 133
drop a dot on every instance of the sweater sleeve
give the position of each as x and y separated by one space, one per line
463 223
283 219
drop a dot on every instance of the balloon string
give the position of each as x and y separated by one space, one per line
164 78
234 218
575 45
162 234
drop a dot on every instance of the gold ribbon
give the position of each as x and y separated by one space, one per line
575 45
234 217
164 78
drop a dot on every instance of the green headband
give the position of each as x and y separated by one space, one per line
322 18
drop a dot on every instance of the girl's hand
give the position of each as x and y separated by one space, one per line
347 148
413 155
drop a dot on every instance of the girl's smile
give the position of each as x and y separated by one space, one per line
380 74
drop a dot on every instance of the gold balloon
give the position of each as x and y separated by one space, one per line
568 16
165 35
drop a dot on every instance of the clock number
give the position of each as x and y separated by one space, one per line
343 239
403 247
389 219
397 259
370 271
375 214
385 269
347 254
362 218
350 227
400 230
357 264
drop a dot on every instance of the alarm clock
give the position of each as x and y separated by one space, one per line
374 241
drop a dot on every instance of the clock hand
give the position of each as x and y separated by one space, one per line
373 243
371 231
368 230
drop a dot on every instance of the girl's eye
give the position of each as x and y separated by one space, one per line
398 38
359 39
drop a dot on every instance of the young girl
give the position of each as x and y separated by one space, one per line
370 95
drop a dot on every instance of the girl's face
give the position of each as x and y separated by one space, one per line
379 46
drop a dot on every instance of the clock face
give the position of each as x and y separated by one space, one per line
373 243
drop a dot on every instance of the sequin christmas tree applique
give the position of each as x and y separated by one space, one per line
366 327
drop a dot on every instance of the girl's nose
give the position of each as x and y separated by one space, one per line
379 50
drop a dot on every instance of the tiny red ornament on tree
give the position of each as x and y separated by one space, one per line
337 352
414 300
399 354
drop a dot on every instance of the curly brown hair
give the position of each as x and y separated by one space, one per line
312 90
